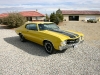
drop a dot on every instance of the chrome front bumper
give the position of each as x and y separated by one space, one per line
69 46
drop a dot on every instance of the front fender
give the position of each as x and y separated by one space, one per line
54 40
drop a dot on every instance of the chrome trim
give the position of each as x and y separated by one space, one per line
69 45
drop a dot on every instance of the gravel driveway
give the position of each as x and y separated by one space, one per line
18 58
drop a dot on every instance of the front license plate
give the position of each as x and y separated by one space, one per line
75 46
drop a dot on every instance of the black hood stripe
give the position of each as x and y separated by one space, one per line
70 34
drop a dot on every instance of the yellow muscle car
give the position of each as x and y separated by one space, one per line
49 35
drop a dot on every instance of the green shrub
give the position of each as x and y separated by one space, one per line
4 21
14 20
53 17
47 18
56 17
0 20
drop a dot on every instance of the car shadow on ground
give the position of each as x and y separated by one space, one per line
29 47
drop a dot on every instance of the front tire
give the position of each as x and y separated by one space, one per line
49 47
22 39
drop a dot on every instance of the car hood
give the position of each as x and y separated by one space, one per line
61 34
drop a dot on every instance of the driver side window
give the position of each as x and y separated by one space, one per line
31 27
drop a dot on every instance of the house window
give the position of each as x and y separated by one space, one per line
29 18
36 18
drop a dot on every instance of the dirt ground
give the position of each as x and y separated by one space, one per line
28 58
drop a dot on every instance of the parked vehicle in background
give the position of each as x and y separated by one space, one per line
92 21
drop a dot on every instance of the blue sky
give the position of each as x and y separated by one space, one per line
47 6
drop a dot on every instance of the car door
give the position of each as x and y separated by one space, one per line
33 33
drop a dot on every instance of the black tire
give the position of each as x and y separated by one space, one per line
22 39
49 47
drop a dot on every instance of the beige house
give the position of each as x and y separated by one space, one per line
72 15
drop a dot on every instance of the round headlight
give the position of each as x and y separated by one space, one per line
63 43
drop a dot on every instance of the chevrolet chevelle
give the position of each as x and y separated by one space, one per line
49 35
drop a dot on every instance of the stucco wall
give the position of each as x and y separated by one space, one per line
66 17
81 17
38 18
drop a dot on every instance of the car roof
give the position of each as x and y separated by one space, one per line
37 22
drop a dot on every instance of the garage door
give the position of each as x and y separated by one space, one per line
73 18
90 17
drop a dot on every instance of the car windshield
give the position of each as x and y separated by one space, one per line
48 26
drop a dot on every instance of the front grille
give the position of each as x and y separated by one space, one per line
72 41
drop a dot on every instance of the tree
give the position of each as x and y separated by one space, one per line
56 17
59 15
53 17
47 17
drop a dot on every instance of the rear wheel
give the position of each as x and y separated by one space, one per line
22 39
49 47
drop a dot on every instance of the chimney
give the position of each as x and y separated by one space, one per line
36 10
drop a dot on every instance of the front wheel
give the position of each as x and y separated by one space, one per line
49 47
22 39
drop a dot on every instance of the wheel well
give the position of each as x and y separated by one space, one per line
47 41
44 41
19 33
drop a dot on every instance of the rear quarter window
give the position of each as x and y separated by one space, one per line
31 26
